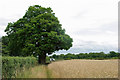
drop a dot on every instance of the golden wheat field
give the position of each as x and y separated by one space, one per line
74 69
84 69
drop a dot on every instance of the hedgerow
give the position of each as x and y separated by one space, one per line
12 66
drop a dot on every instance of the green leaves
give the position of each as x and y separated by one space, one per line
12 66
38 32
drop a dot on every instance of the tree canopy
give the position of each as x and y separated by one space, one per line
4 45
38 32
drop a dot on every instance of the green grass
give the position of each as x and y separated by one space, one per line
48 73
26 74
40 71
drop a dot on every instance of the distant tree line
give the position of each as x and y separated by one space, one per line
96 55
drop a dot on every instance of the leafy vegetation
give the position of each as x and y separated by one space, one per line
0 46
12 66
37 33
99 56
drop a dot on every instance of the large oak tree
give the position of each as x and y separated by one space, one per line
37 33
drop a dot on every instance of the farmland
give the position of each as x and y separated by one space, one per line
85 69
77 69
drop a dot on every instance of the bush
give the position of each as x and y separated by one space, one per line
115 58
47 59
67 59
12 66
99 58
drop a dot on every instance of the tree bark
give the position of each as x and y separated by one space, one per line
42 58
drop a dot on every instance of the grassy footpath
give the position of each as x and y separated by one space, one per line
48 72
40 71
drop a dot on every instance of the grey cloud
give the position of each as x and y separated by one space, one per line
2 28
87 50
80 14
2 33
112 27
3 21
94 46
89 46
85 43
3 24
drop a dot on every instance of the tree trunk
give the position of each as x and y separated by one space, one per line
42 58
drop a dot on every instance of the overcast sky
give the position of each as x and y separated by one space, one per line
93 24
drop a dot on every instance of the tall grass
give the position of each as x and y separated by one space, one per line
74 69
40 71
85 69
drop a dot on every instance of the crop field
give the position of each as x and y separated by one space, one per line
75 69
84 69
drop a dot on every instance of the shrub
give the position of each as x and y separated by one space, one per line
47 59
115 58
99 58
67 59
12 66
